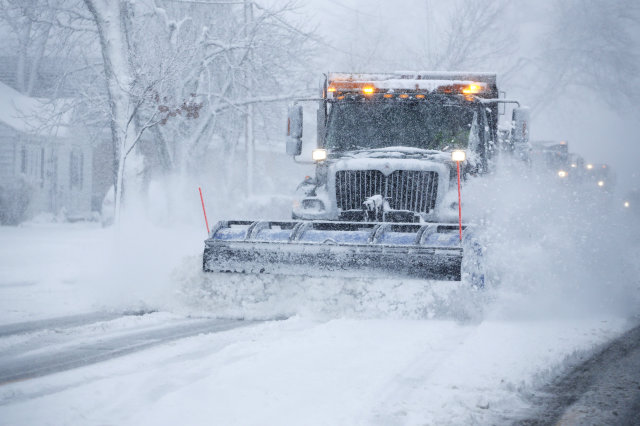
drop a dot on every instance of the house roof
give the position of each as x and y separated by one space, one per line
32 115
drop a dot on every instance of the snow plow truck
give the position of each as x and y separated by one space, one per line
391 152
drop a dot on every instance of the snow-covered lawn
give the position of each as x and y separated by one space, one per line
309 369
40 268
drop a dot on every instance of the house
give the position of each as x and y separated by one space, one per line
45 162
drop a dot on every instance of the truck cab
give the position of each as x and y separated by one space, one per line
386 144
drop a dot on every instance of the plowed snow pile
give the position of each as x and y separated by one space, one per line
272 296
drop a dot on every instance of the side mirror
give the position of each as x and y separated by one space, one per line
294 130
520 133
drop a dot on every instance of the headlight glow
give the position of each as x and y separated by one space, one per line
626 204
600 183
562 173
458 155
319 154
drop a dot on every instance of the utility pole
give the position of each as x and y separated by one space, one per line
249 137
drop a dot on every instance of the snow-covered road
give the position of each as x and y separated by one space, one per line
301 371
342 364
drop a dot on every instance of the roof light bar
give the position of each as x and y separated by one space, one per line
348 84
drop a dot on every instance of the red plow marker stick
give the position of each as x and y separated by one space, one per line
459 202
205 211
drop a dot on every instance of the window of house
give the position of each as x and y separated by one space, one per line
76 165
42 167
32 163
23 159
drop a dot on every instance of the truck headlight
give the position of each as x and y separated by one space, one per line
458 155
319 154
600 183
562 173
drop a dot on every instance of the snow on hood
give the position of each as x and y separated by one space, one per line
397 152
403 152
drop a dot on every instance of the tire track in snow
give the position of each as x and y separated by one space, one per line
392 406
63 322
27 366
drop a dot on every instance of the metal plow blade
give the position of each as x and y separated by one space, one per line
344 249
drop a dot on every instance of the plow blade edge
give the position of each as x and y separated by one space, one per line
343 249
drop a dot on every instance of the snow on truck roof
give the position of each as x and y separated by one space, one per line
484 77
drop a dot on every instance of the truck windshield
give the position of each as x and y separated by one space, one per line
421 124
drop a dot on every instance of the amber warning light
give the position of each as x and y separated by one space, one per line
472 89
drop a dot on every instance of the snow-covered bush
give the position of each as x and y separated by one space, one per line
15 197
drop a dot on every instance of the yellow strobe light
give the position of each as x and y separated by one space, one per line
458 155
319 154
471 89
367 90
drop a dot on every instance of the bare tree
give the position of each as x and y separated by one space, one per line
175 81
30 23
234 67
469 35
113 20
592 45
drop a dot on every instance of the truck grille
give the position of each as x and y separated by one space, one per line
404 189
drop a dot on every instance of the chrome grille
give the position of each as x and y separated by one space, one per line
404 189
